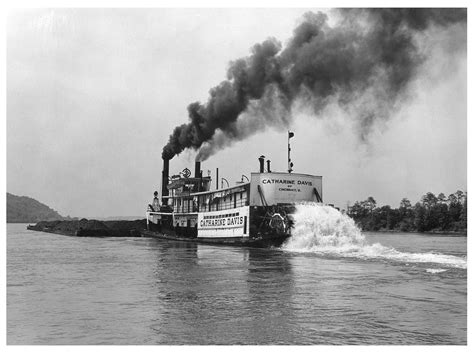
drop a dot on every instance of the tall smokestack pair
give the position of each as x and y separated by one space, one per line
165 178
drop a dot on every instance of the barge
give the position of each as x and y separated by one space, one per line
252 213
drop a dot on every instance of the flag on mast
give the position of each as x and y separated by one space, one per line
290 134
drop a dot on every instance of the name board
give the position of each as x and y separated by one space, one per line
274 188
225 223
219 221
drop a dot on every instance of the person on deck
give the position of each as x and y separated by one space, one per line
156 202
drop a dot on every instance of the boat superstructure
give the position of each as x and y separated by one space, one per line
256 212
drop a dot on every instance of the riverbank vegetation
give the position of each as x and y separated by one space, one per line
431 214
23 209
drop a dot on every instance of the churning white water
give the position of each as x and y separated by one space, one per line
324 230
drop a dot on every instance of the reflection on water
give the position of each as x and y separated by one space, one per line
67 290
216 290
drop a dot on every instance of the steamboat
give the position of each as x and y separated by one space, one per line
256 212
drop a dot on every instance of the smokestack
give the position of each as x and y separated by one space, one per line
197 169
164 181
262 163
268 166
217 178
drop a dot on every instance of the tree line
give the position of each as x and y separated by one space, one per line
432 213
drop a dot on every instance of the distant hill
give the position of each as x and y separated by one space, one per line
23 209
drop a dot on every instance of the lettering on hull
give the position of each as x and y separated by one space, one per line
223 224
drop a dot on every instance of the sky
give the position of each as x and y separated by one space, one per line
94 94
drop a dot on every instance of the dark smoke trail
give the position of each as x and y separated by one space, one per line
366 61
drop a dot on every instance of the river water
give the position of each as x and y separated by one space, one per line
373 288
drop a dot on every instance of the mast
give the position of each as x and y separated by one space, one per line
290 164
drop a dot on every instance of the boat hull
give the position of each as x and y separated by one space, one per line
242 226
257 242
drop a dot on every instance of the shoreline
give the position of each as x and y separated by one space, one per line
453 233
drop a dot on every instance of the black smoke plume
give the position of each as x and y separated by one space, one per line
366 62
